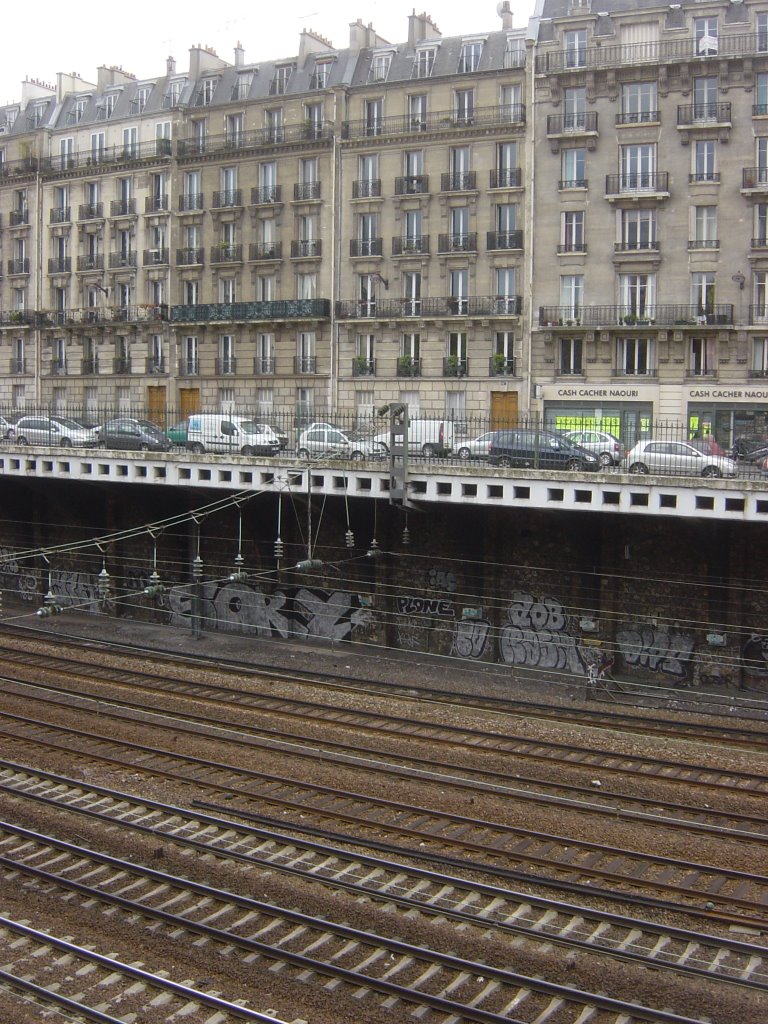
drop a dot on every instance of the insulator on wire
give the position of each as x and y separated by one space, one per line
279 548
374 551
155 587
349 537
49 609
309 564
102 584
406 537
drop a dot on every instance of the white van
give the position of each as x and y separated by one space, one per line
425 437
233 435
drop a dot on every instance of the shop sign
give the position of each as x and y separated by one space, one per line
729 394
586 392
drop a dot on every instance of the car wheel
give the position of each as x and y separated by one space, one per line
711 471
505 461
464 453
606 459
246 450
428 451
573 464
197 448
144 447
65 442
22 440
357 456
638 467
302 453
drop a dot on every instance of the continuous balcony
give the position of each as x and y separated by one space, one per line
144 313
87 159
650 54
245 312
437 307
250 141
502 116
667 315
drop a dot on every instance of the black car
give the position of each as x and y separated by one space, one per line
750 447
540 449
134 435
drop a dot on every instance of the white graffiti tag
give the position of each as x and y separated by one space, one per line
536 636
657 650
327 615
470 638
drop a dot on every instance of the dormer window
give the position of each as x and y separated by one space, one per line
279 83
206 91
141 100
173 95
322 74
110 100
242 86
471 51
423 62
10 116
35 118
380 67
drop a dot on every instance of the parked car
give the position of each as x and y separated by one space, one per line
676 458
605 446
750 447
230 434
277 435
708 445
477 448
53 430
541 449
6 428
127 433
425 437
177 434
324 439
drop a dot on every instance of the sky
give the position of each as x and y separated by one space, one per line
140 35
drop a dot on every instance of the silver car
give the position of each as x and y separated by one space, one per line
605 446
53 430
324 439
477 448
676 458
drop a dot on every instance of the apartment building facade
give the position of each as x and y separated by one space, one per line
567 220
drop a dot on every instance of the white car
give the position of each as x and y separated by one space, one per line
477 448
607 447
323 439
676 458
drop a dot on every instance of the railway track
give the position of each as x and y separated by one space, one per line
541 854
586 798
721 732
538 920
442 986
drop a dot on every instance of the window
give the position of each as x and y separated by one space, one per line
206 91
142 96
638 230
266 289
703 292
364 408
639 103
458 284
423 62
309 171
459 222
571 295
637 297
761 24
305 405
701 357
306 286
227 290
638 166
510 99
572 231
573 162
514 52
279 83
265 354
412 230
575 48
457 347
274 124
575 109
759 357
366 294
227 362
156 354
322 74
705 105
305 352
761 224
234 128
175 89
635 356
365 345
417 112
705 36
456 408
78 110
66 153
191 294
507 169
110 101
761 94
265 398
98 147
368 242
189 356
380 67
130 143
571 356
469 60
704 160
313 119
412 293
18 361
410 347
268 181
464 106
504 353
705 227
760 313
373 115
506 288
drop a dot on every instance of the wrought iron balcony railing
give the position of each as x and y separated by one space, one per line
457 243
760 242
305 364
59 264
637 117
366 188
190 256
155 365
58 367
754 177
190 201
18 266
18 217
90 211
144 313
60 214
227 198
122 207
265 251
18 367
504 240
643 245
571 247
254 139
438 121
703 243
697 177
506 177
650 53
458 181
305 190
412 185
439 306
572 183
408 366
455 366
265 194
655 182
189 367
244 312
226 366
224 253
501 366
658 314
89 366
365 246
155 204
156 257
118 260
363 367
91 261
118 154
703 113
306 248
572 123
264 366
409 245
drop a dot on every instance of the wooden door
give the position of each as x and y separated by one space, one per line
156 405
504 409
189 402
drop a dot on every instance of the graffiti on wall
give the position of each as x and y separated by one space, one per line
668 651
17 577
235 607
434 606
470 638
754 655
536 635
75 590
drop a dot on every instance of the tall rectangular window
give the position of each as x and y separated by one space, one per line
635 356
704 167
703 292
571 294
571 361
573 163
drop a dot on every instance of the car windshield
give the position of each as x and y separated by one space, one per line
249 427
70 424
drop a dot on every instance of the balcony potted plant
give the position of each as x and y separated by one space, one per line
453 366
360 366
406 366
499 364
